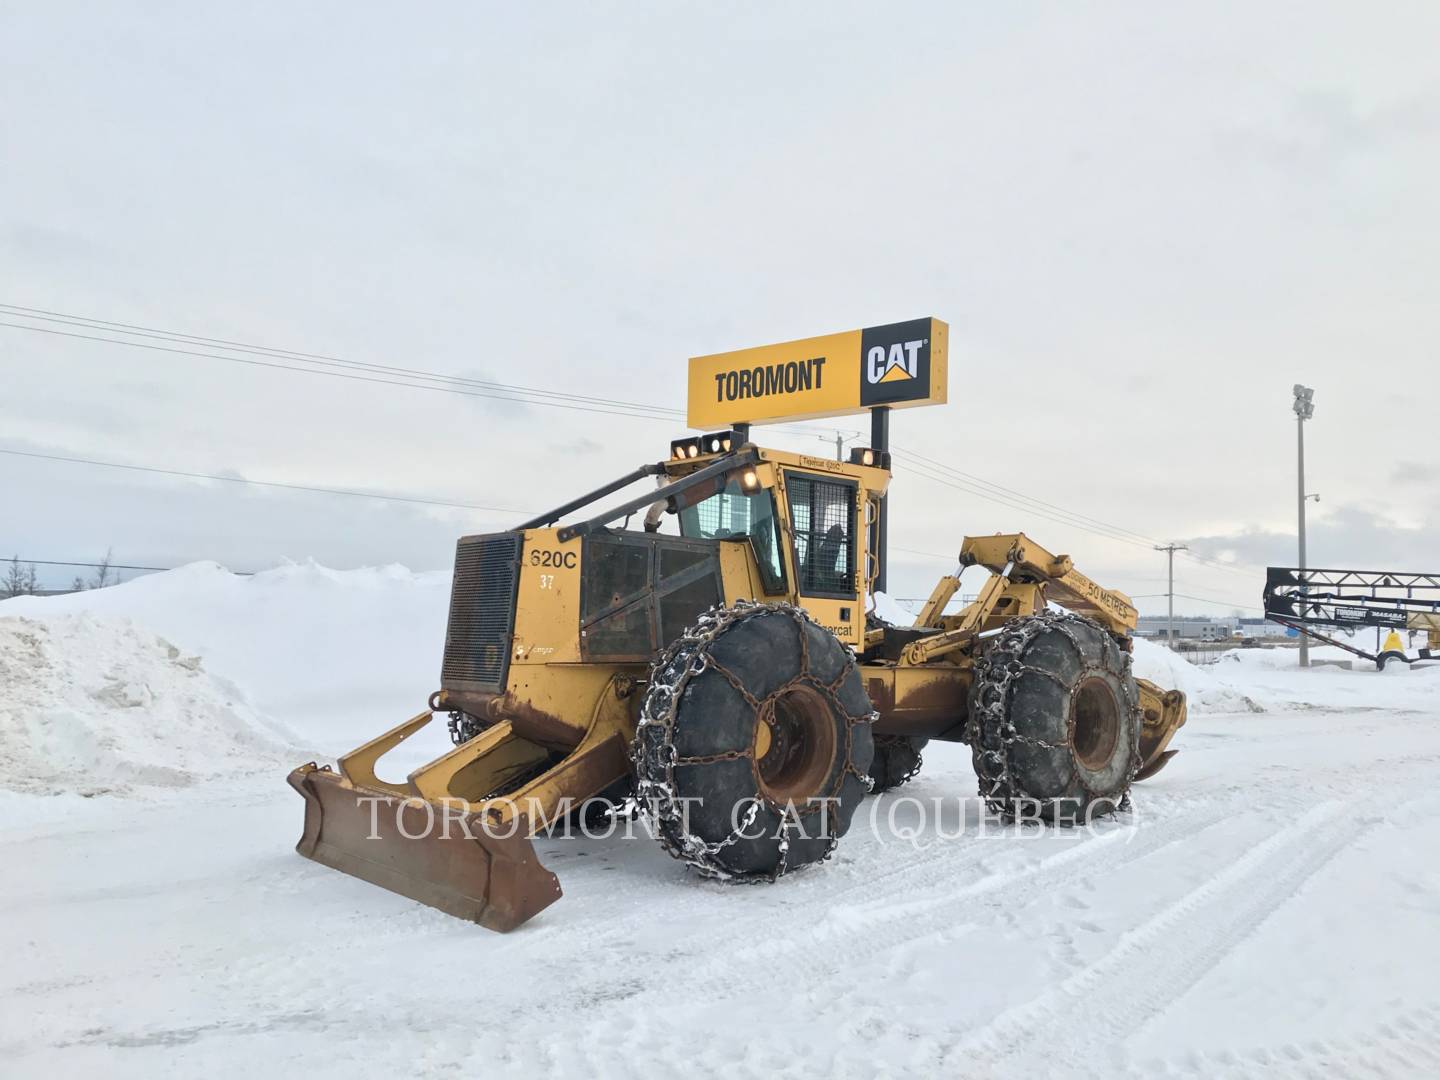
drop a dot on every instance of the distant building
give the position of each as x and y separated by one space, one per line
1188 628
1204 628
1262 628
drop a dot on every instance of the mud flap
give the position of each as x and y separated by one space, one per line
439 855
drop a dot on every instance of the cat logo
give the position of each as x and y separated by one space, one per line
902 362
895 362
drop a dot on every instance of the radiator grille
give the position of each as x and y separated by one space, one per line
482 611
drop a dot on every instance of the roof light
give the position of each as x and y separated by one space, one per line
683 449
870 457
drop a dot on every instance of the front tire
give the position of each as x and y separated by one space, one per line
1055 720
753 743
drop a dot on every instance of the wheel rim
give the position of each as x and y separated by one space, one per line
1095 723
794 745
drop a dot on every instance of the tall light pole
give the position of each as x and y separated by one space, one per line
1304 410
1170 550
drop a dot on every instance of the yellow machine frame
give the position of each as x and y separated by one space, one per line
558 731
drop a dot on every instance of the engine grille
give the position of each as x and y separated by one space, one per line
482 612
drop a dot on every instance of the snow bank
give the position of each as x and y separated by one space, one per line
892 611
1204 689
92 704
341 655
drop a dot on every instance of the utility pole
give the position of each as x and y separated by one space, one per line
1304 409
1170 550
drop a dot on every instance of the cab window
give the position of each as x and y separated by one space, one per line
733 514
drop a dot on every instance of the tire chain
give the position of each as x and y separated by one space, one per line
463 727
995 669
914 769
687 657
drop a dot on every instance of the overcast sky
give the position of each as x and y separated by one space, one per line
1144 222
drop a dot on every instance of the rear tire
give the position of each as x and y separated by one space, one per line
897 761
1055 720
753 743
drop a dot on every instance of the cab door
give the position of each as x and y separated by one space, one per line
827 550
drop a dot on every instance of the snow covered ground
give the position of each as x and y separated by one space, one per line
1272 906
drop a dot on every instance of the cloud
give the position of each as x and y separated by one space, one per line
1326 128
1345 539
1139 304
1415 472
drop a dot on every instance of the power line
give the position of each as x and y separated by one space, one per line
1015 501
1004 496
927 554
264 483
1222 603
92 565
384 374
172 336
1215 564
420 379
405 499
515 398
1002 489
1012 500
315 490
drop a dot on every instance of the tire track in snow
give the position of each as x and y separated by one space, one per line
1166 955
883 924
1406 1045
800 959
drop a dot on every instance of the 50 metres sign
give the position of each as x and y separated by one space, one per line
899 365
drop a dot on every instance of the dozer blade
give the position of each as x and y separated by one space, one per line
437 851
1164 714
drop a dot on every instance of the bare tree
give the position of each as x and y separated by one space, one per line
20 580
14 577
102 572
78 585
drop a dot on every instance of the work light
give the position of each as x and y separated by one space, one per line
868 456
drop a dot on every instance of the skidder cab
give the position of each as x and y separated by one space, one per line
704 646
